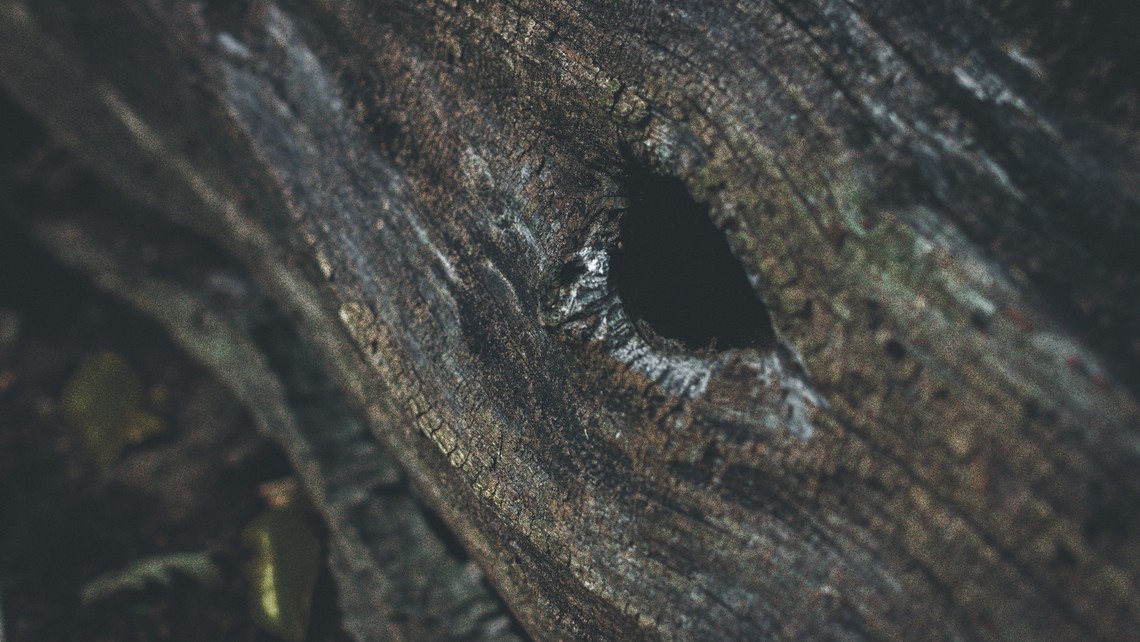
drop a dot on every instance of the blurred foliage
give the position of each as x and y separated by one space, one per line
158 569
104 401
282 571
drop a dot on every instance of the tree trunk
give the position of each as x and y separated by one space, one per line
758 320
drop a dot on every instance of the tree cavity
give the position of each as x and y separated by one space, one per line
676 276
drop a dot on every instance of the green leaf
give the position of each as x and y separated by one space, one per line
103 400
282 572
159 569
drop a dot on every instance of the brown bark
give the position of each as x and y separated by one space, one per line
915 415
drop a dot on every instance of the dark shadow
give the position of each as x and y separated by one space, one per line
676 275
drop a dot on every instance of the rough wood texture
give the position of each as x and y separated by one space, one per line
936 203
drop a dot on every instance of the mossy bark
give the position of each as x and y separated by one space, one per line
938 206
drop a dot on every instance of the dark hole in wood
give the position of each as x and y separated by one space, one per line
676 275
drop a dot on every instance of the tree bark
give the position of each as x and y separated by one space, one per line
917 418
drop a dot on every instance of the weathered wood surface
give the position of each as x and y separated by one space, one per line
936 204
